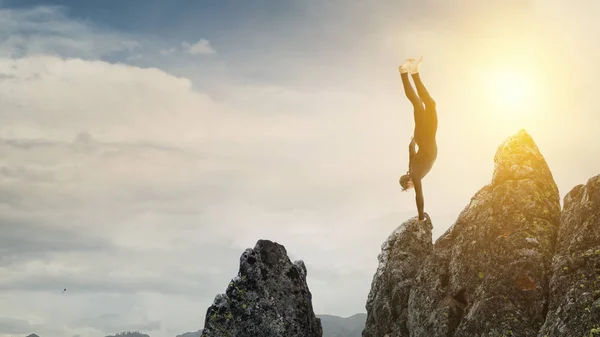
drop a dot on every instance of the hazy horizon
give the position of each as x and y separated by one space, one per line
145 145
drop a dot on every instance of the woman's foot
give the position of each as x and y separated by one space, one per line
414 67
405 67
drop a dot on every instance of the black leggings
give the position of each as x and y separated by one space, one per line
424 110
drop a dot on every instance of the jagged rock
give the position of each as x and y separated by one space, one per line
399 261
488 274
268 298
575 286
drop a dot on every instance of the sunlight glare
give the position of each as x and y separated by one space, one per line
510 91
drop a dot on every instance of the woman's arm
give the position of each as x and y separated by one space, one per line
411 148
419 197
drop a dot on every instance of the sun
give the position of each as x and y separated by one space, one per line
509 91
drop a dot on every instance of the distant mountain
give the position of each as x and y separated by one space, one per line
129 334
335 326
191 334
33 335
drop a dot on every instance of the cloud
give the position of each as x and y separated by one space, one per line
119 271
86 189
173 99
27 237
116 181
14 326
202 47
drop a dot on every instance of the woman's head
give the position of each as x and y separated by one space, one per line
406 182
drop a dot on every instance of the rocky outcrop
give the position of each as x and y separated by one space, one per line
268 298
575 286
399 261
489 274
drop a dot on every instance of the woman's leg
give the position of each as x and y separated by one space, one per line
409 91
414 99
430 108
423 93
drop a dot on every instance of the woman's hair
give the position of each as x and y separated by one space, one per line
406 182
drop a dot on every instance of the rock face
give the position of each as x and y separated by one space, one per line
399 261
268 298
489 274
575 286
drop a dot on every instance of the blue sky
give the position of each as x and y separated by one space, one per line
180 19
268 41
239 30
146 144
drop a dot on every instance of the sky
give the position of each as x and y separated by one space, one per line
144 145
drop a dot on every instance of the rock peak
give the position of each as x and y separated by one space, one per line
517 158
268 297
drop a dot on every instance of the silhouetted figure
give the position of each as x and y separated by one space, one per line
426 122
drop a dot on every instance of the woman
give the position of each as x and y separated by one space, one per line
421 161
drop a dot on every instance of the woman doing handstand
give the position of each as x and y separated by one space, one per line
426 122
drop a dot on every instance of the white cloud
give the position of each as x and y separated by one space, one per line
111 167
14 326
130 103
201 47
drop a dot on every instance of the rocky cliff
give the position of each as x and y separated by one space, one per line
268 298
574 308
511 265
399 261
